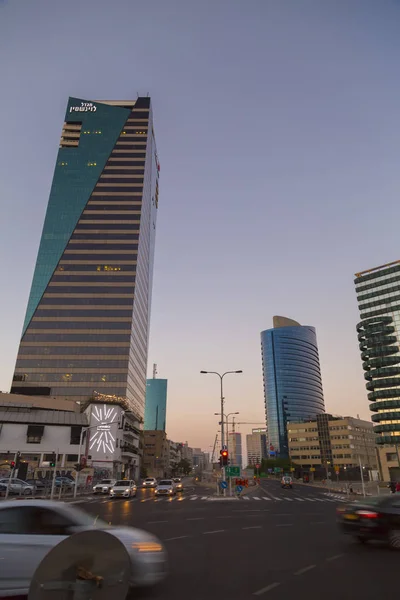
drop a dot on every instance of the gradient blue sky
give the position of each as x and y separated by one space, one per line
277 125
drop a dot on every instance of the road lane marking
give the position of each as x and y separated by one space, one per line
256 498
196 519
300 499
153 522
284 525
275 498
304 570
246 498
334 557
215 531
288 499
310 499
265 498
193 497
180 537
204 497
253 527
269 587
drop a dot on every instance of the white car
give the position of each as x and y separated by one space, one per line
150 482
30 529
124 488
104 486
166 487
18 486
178 484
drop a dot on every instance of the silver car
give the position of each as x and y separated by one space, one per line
18 486
124 488
165 487
104 486
29 530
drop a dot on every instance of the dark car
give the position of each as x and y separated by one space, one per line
287 482
38 484
3 489
375 518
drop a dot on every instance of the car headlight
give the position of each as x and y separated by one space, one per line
127 490
147 547
170 491
111 492
94 488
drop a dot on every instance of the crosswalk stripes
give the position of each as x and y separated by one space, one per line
300 499
265 498
193 498
246 498
288 499
275 498
256 498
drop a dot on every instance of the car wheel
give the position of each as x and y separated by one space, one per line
394 539
27 492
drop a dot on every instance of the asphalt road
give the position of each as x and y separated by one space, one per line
274 544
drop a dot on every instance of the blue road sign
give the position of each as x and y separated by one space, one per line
224 485
239 488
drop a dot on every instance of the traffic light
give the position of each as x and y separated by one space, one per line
224 458
17 462
12 464
53 460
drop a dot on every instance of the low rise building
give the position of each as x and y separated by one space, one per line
156 459
174 457
331 441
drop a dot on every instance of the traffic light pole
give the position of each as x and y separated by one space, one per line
54 476
222 429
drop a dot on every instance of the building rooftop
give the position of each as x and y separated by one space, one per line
21 414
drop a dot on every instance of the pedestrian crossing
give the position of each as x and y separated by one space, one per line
198 497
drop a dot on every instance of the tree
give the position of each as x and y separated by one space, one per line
185 467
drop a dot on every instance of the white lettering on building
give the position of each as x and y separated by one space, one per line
84 107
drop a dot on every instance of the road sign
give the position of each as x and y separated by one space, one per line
278 469
233 471
292 469
270 470
239 488
224 485
312 469
337 468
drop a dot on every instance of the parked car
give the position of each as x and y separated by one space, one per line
65 482
124 488
18 486
30 529
374 518
166 487
150 482
39 485
3 489
178 484
104 486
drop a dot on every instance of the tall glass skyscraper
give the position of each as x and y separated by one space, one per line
292 378
378 296
87 322
156 404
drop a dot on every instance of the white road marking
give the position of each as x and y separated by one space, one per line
193 497
256 498
246 498
304 570
320 499
288 499
180 537
310 499
265 498
153 522
300 499
275 498
334 557
269 587
253 527
204 497
216 531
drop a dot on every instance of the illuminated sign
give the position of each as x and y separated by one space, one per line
102 436
84 107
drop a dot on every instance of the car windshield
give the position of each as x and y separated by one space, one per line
150 479
165 482
121 483
177 480
106 481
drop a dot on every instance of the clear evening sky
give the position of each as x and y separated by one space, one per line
277 125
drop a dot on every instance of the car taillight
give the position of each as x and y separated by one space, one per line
368 514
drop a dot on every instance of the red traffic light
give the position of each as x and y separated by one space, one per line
224 453
12 463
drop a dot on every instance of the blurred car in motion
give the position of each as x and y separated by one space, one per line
18 486
39 485
287 482
104 486
178 484
150 482
375 518
124 488
66 482
30 529
3 489
165 487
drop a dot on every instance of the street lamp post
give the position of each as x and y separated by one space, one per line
221 377
227 440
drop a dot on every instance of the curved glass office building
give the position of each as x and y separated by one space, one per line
292 378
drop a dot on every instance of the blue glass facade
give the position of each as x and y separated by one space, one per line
292 379
156 404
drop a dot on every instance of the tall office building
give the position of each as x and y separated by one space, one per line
156 404
378 296
292 378
87 322
235 448
256 443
